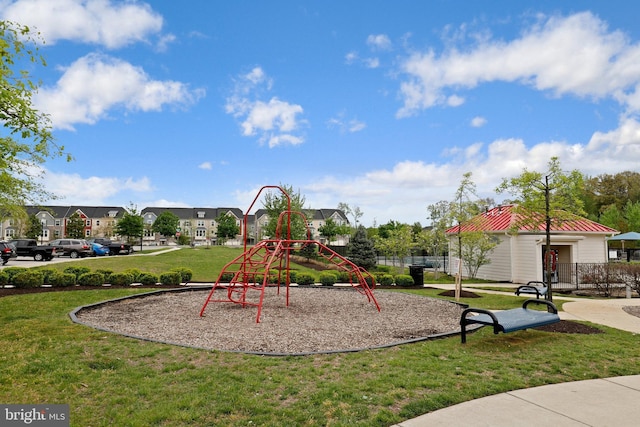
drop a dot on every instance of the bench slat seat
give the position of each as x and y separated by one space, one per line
535 287
510 320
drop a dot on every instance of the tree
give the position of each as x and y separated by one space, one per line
27 141
603 191
227 227
166 224
396 241
546 198
361 250
34 228
131 224
476 247
329 230
275 203
75 226
355 212
462 209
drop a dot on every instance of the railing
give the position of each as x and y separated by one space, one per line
426 261
576 276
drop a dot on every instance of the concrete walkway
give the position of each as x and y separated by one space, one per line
601 402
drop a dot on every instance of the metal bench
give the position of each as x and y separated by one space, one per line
535 287
512 320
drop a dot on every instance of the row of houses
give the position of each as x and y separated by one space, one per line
198 224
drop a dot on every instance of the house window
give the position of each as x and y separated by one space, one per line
187 224
200 214
213 223
58 223
88 222
56 233
200 223
201 232
87 233
9 232
97 222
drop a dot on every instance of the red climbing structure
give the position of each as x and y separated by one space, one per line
245 279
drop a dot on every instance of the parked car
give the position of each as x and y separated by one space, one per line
30 248
115 248
73 248
99 250
7 251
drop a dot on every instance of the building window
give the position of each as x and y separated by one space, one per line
200 223
201 232
200 214
97 222
9 232
87 233
56 233
58 223
88 222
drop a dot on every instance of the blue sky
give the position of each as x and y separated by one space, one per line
382 105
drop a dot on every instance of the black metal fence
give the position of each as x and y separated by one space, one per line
426 261
576 276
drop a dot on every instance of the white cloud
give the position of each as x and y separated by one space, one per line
478 122
102 22
343 125
403 191
95 84
379 41
93 190
205 166
274 122
574 55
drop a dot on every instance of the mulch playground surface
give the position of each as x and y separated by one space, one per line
564 326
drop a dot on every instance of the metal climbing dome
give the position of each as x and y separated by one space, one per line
245 279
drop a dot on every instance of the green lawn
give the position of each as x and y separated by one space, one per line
110 380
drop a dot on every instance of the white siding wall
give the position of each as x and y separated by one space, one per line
500 267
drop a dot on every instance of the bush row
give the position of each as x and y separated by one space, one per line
325 278
22 277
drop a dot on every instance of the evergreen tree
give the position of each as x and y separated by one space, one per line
75 226
361 250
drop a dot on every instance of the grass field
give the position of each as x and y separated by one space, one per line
110 380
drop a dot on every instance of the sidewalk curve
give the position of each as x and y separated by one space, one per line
596 403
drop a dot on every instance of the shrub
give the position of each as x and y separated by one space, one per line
47 274
328 278
293 276
404 280
344 276
28 279
11 272
383 268
226 277
4 278
385 279
91 279
149 279
135 274
185 273
121 279
62 279
77 271
170 278
305 279
106 273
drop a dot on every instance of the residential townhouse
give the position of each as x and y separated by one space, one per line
199 224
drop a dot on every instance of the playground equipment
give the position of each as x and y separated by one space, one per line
245 279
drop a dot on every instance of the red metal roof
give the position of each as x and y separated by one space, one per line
501 219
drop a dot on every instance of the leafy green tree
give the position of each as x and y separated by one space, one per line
329 230
396 241
75 226
546 198
476 248
603 191
275 203
131 224
309 250
166 224
632 215
34 228
27 141
612 217
361 250
227 227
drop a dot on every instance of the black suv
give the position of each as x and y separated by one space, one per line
7 251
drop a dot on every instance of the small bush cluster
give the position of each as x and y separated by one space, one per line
328 278
404 280
304 279
22 277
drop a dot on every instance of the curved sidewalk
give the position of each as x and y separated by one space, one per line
600 402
